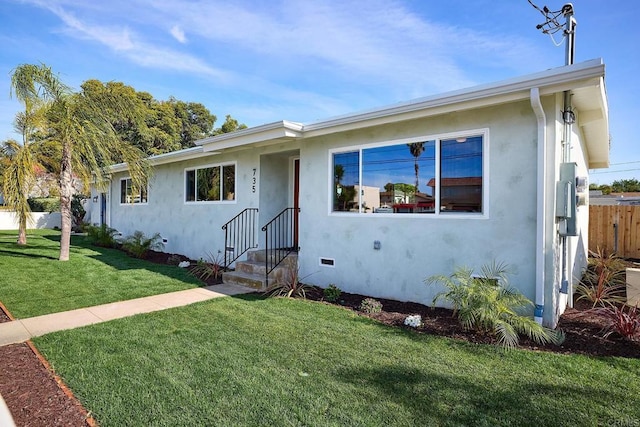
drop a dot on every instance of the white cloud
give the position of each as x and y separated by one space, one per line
127 43
178 33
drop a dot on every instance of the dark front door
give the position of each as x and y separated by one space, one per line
296 200
103 208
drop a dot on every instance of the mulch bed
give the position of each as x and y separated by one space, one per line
36 397
583 329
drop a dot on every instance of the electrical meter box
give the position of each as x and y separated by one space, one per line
566 206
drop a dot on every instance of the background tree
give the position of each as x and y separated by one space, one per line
416 149
82 129
230 125
166 126
605 188
626 186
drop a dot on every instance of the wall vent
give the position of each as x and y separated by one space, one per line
327 262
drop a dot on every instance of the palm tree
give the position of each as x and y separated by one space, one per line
78 126
20 163
416 149
17 180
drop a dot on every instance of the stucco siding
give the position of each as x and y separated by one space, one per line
415 247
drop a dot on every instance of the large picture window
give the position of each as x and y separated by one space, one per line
129 195
422 176
211 184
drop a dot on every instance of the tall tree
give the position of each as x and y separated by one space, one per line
80 127
416 149
196 122
230 125
20 165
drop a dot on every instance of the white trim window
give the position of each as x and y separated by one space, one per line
129 195
211 183
437 175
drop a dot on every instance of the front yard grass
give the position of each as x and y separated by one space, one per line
249 361
33 282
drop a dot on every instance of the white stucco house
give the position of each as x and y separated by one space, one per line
497 167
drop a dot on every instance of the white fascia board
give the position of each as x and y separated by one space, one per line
275 132
171 157
595 126
549 81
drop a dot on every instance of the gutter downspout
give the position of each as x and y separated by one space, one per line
541 204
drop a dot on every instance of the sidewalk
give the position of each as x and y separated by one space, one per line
22 330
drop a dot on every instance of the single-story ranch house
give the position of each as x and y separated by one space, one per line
376 201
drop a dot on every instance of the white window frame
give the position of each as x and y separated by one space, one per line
208 202
484 132
132 203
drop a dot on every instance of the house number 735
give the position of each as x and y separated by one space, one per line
254 180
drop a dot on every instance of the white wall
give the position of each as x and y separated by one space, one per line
194 229
8 220
416 247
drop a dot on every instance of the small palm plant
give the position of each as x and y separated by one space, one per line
486 303
102 235
138 244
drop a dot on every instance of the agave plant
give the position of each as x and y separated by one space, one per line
486 303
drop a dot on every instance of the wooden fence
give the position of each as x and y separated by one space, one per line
615 229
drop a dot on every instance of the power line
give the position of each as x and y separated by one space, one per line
626 170
624 163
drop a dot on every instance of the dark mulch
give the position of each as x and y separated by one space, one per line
32 393
36 399
583 329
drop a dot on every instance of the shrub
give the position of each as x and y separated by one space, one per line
138 244
78 212
211 267
486 303
102 236
603 282
332 293
624 320
370 306
44 204
290 287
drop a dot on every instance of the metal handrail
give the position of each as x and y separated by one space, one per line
279 239
240 235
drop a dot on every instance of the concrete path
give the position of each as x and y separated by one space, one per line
22 330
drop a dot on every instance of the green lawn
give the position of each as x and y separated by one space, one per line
34 282
251 362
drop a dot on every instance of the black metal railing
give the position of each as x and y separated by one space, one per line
240 235
280 238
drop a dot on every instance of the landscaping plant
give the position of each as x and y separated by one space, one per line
211 267
370 306
332 293
102 235
623 320
603 282
487 303
138 244
290 287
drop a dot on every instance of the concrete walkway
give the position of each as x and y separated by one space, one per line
22 330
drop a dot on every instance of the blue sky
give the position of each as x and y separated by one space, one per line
264 61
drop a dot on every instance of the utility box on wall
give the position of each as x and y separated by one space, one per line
566 207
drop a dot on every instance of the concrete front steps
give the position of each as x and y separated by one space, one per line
251 273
